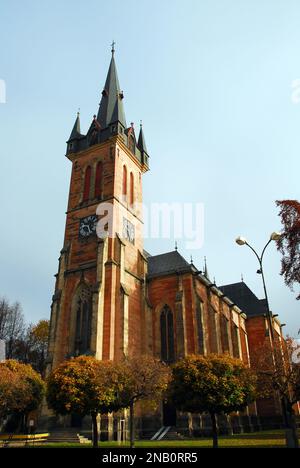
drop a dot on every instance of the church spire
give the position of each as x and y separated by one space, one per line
111 108
141 141
206 269
76 128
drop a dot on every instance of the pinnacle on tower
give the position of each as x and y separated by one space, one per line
111 108
206 269
110 122
141 141
76 129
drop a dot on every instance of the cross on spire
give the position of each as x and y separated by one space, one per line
113 47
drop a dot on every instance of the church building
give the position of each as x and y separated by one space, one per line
112 298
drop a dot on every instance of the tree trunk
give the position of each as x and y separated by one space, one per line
21 427
294 430
284 413
131 427
95 430
291 434
214 430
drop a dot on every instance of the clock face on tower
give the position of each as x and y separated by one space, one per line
128 230
87 226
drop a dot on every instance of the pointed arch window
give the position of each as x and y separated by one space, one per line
199 324
124 183
235 340
87 183
83 324
99 180
213 334
167 335
131 188
224 333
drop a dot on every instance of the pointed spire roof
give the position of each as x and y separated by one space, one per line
111 106
206 269
141 141
76 129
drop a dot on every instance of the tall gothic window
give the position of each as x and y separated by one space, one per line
167 335
131 189
87 183
83 328
199 323
213 336
99 180
235 340
124 184
224 333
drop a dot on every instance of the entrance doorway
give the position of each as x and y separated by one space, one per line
76 420
169 414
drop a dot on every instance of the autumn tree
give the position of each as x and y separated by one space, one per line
21 389
214 384
278 371
83 385
289 243
37 343
140 378
11 385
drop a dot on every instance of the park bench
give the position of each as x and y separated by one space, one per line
7 440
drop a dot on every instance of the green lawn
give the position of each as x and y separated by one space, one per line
266 439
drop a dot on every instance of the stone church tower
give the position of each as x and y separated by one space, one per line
101 277
112 298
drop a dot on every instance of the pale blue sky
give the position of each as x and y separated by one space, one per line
212 81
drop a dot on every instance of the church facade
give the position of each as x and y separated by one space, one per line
112 298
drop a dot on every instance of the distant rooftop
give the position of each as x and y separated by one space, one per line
245 299
168 263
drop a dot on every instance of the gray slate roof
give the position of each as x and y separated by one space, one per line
168 263
111 106
109 122
245 299
141 141
76 129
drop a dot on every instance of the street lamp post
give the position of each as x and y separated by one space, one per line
275 236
